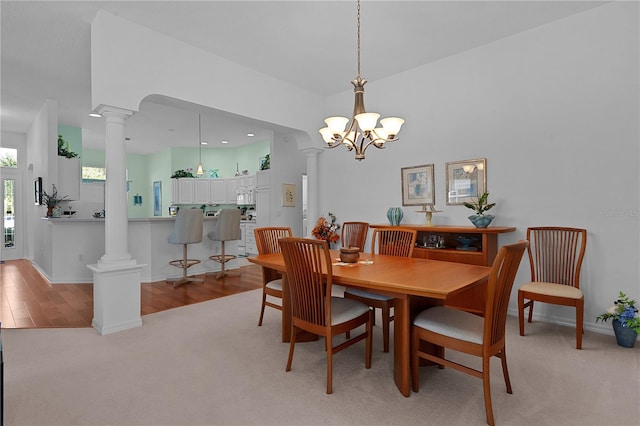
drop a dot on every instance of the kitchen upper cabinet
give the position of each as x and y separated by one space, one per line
263 179
218 191
182 191
232 190
69 176
202 191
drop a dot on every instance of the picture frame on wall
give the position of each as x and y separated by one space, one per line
418 185
288 195
157 198
466 180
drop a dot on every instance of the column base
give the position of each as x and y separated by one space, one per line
116 297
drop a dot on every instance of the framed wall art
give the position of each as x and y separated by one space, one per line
418 185
157 198
466 180
288 195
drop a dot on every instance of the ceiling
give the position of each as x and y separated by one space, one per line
45 48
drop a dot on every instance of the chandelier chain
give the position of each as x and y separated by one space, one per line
358 26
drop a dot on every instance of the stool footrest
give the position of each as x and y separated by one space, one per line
222 258
184 263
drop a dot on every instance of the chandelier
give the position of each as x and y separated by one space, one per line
362 131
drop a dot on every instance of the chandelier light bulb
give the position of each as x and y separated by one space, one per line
367 120
336 124
392 125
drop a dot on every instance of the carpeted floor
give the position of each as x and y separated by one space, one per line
209 363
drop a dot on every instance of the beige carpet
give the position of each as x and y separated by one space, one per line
210 364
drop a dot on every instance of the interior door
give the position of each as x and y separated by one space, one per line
11 229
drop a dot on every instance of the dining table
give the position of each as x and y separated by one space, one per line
415 284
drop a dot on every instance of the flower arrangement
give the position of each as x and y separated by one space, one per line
623 310
183 173
63 148
325 230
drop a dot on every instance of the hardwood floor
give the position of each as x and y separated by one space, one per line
27 300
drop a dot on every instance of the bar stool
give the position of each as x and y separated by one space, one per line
187 229
227 228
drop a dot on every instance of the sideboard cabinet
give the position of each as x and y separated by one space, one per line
462 244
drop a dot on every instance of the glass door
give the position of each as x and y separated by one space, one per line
11 244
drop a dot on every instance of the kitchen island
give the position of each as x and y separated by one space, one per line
70 244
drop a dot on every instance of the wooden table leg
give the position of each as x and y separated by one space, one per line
401 345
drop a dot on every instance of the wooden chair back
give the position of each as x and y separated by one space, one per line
394 241
503 273
309 291
354 234
556 253
267 238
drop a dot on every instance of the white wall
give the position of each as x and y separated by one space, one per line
554 110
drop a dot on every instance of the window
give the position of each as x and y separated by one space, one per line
93 174
8 157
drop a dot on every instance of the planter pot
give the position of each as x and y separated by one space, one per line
481 220
395 214
625 336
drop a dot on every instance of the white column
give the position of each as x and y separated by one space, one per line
115 190
313 190
116 276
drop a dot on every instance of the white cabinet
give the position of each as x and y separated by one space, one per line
232 190
250 239
69 175
182 191
218 191
202 191
263 179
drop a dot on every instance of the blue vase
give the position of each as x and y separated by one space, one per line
625 336
481 220
395 214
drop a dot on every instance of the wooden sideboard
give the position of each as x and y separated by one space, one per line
481 250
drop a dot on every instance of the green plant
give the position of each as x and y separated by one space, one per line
63 148
51 200
623 310
266 163
481 205
182 173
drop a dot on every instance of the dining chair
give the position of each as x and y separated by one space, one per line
227 228
472 334
555 256
392 241
267 242
187 229
313 308
354 234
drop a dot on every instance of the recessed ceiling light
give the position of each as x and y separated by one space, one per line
224 141
250 135
171 130
204 143
95 114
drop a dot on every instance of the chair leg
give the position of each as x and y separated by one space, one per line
264 299
530 304
579 320
329 365
505 371
521 312
486 384
369 342
386 314
292 345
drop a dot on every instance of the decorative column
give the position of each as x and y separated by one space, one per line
313 189
116 276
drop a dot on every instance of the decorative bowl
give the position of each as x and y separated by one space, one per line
349 255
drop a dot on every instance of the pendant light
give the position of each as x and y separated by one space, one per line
200 171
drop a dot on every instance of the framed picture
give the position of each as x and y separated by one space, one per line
417 185
288 195
466 180
37 187
157 198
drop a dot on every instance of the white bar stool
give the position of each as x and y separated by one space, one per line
186 230
227 228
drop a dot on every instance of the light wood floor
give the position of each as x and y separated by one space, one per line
27 300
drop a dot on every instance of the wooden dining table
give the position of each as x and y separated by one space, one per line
414 284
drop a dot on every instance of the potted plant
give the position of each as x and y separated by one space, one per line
52 200
183 173
63 148
626 321
480 219
325 230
